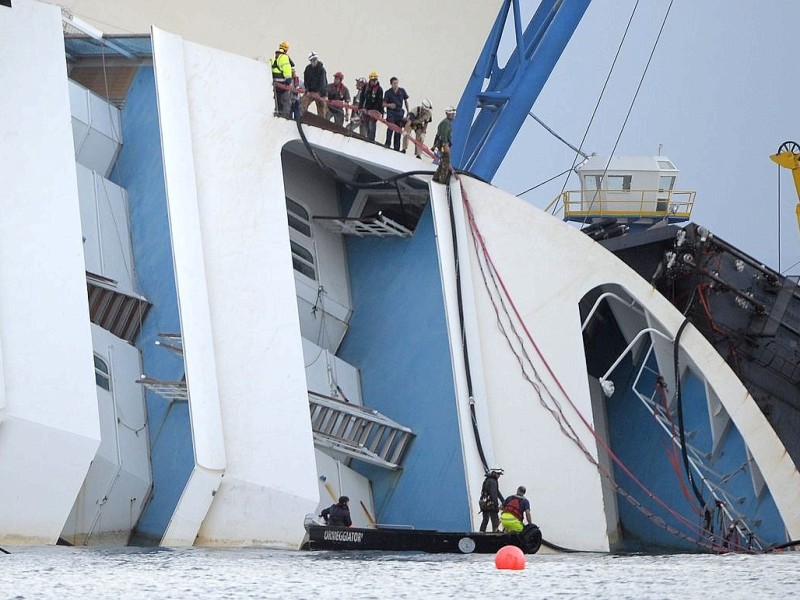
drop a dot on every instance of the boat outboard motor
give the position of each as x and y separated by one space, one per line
531 538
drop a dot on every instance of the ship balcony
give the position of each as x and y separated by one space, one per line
631 206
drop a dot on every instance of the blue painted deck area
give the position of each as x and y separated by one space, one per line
646 449
398 339
139 170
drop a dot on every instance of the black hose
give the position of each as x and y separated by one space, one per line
4 551
558 548
370 184
791 544
350 182
465 350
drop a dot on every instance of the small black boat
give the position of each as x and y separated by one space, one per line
394 539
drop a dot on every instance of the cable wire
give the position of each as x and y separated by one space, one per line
602 92
633 100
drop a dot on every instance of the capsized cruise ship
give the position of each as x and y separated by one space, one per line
214 321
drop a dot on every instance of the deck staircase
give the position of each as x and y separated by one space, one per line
338 426
358 432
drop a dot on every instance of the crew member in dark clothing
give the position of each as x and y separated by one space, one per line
393 101
315 80
338 515
490 500
444 135
358 121
372 100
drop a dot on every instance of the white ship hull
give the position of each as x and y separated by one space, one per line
305 363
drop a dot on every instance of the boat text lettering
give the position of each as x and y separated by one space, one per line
344 536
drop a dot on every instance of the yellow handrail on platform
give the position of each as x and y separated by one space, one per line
630 204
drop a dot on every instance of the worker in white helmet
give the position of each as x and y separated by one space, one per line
444 136
417 122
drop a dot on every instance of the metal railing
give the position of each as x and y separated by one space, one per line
624 203
379 225
722 499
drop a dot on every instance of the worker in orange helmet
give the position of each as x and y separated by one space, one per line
338 92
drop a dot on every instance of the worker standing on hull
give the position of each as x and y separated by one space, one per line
315 80
444 136
282 73
372 100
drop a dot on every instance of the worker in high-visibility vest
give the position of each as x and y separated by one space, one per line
283 72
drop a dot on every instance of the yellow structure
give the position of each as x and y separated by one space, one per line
787 156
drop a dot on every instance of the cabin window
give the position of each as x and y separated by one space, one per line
665 164
101 374
666 183
592 182
619 183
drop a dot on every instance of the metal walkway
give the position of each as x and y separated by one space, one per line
358 432
379 225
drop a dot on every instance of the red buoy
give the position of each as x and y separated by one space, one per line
510 557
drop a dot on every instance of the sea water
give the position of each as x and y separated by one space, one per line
62 572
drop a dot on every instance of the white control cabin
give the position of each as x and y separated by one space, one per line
638 190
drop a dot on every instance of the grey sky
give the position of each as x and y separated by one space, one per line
720 95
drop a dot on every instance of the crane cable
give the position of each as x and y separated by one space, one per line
633 102
602 93
579 149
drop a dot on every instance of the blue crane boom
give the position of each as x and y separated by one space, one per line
488 119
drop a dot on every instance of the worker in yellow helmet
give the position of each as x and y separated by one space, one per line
372 100
282 72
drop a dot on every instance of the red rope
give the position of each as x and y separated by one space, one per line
672 450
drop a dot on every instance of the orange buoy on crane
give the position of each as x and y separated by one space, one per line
510 557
